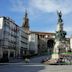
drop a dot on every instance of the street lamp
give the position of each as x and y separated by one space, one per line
46 36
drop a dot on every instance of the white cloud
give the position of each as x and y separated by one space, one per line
68 29
37 6
52 5
44 5
17 5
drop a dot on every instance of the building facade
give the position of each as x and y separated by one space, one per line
45 41
23 42
11 41
8 37
71 43
33 43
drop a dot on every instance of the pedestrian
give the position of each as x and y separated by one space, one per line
27 60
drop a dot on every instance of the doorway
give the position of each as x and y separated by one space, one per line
50 45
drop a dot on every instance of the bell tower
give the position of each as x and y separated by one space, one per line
25 24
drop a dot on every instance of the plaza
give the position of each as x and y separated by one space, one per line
36 36
34 66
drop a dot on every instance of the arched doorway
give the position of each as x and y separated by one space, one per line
50 46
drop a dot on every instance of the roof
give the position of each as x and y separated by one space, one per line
36 32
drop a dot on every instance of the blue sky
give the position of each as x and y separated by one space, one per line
42 13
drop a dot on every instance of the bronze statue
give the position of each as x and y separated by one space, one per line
59 16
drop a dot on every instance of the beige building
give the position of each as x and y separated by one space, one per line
45 41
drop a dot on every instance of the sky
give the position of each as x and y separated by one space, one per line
42 13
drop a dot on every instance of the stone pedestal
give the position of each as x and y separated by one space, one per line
55 54
59 48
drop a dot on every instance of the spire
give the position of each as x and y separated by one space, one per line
25 24
26 14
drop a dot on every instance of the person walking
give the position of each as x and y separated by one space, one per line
27 60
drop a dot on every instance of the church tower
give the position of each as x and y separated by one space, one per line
25 24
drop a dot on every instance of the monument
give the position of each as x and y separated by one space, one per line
60 40
60 46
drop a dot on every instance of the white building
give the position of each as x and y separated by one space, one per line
33 43
23 42
71 43
12 38
8 37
